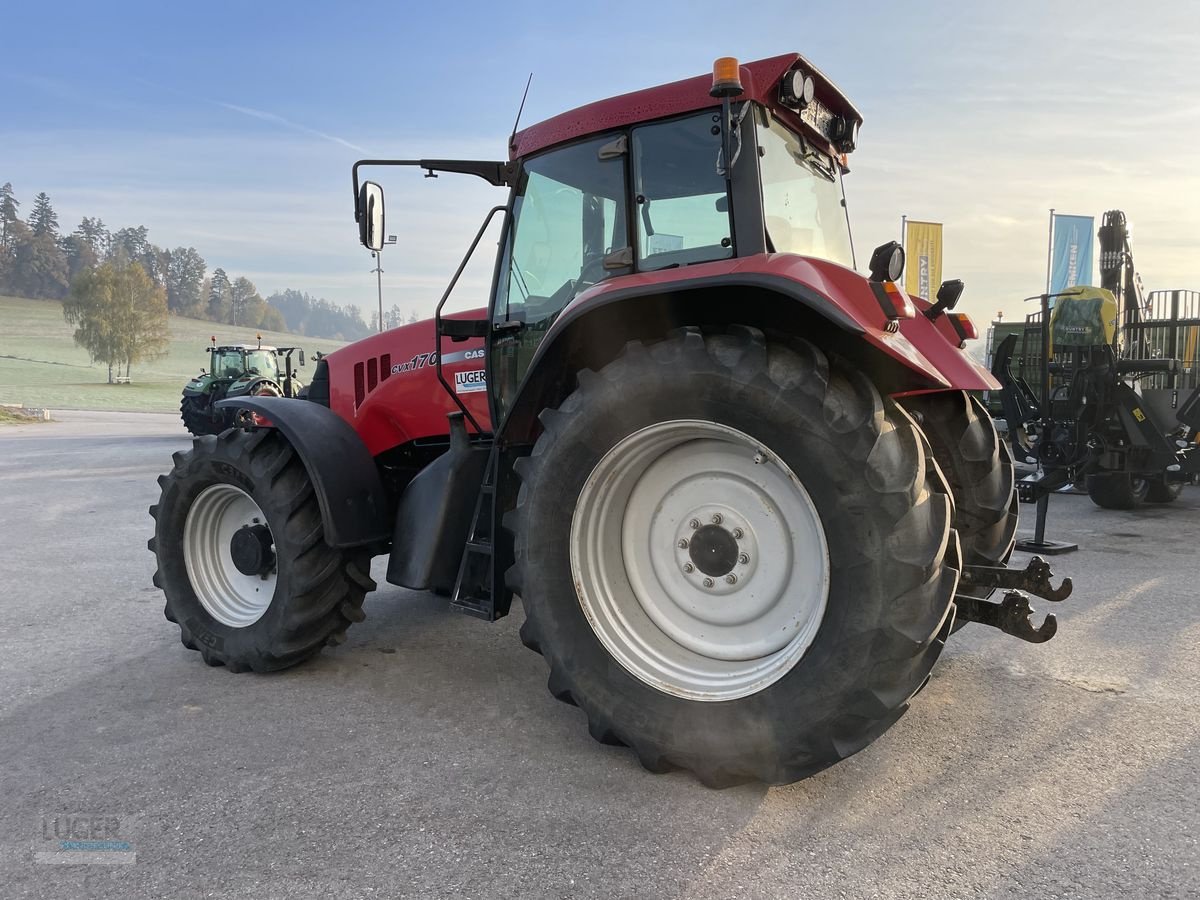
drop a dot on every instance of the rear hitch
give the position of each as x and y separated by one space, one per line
1011 615
1034 578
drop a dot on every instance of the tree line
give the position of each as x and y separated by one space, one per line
38 261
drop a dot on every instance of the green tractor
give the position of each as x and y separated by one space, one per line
237 370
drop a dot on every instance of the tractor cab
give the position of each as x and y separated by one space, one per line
238 360
652 184
245 365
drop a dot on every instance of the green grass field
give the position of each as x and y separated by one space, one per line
41 366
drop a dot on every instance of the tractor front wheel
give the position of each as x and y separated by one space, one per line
733 556
242 557
196 416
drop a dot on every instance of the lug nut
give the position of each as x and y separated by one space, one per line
716 519
731 578
694 524
743 558
738 534
689 568
708 582
683 544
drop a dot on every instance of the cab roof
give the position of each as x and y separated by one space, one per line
760 80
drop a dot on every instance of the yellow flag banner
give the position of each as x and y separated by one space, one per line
923 257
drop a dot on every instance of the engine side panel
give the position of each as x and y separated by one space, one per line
386 386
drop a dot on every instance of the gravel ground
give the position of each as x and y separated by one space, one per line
424 756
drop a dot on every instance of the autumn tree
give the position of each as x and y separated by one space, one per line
119 314
272 319
246 303
185 275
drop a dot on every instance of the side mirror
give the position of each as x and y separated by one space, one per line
947 298
370 216
301 357
202 372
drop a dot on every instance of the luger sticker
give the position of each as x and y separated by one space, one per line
470 382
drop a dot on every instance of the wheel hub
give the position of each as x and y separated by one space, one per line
713 550
251 549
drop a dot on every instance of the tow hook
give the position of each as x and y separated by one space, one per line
1012 615
1034 578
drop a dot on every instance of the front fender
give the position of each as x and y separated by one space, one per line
354 504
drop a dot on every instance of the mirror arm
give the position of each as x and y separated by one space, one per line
498 174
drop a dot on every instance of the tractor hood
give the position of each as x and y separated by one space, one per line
244 383
199 385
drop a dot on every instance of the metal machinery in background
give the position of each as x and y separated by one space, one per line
1122 374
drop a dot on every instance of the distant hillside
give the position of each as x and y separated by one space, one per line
305 314
41 366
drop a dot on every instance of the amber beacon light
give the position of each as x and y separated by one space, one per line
727 78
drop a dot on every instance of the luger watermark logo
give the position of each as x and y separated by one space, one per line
73 839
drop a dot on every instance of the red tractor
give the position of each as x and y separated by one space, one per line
743 491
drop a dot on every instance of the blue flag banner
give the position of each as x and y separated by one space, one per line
1072 254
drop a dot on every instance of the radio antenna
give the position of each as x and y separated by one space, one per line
520 109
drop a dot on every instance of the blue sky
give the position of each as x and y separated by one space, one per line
232 126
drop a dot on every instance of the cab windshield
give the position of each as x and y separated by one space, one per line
804 206
234 363
260 362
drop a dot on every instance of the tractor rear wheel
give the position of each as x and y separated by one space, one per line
733 556
1117 490
195 415
242 557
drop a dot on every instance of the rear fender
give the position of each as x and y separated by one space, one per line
354 504
593 330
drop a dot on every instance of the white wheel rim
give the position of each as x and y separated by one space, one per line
227 594
648 524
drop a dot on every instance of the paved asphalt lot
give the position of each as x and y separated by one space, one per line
424 757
